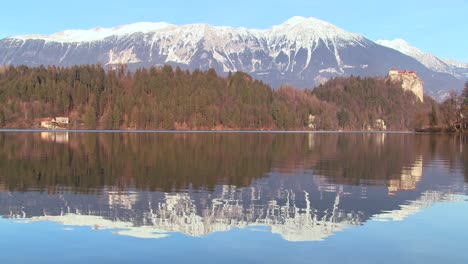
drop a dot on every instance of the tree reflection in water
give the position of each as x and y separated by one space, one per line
302 186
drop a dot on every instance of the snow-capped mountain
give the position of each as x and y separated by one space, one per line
456 63
430 61
302 52
97 33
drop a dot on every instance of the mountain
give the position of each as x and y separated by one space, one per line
302 52
455 63
461 68
452 67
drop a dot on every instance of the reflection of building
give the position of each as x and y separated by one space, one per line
56 137
410 177
380 139
311 140
299 206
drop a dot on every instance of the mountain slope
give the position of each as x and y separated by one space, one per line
302 51
455 63
452 67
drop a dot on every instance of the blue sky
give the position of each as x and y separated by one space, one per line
439 27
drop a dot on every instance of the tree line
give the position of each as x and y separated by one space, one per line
453 111
168 98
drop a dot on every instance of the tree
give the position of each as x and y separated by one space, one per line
2 118
90 117
116 117
166 97
464 101
433 118
343 118
449 110
465 94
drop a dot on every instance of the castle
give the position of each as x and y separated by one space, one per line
409 81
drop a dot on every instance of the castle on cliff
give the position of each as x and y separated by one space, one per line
409 81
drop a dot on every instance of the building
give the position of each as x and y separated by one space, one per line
404 72
409 81
380 125
62 120
53 123
392 72
311 122
48 123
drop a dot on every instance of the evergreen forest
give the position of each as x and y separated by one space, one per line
167 98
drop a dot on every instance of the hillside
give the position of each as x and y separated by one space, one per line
167 98
361 101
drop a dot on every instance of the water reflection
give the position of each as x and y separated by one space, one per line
304 187
55 137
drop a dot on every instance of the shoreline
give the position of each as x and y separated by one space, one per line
217 131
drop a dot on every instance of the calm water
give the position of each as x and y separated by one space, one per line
233 198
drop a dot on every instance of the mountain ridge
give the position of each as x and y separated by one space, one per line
100 33
301 52
427 59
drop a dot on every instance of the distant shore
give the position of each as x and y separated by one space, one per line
205 131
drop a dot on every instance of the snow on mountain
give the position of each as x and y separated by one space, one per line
308 34
402 46
456 63
179 43
301 52
301 29
96 34
305 31
427 59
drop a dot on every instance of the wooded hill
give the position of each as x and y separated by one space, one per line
363 100
167 98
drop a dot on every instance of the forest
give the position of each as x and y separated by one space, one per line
164 98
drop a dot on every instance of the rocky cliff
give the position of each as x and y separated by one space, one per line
409 80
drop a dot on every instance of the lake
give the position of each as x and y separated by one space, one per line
77 197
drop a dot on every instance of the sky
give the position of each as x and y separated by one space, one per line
434 26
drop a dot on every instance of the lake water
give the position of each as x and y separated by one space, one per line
68 197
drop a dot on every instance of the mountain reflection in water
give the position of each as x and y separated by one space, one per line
304 187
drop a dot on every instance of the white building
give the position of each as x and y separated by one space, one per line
380 125
62 120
